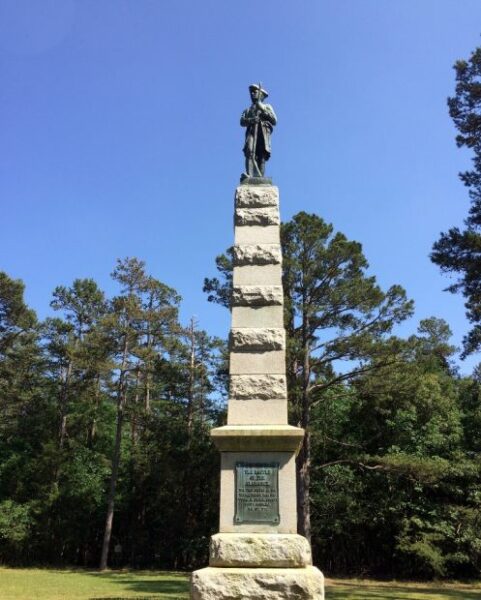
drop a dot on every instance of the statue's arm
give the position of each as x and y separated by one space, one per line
245 121
268 114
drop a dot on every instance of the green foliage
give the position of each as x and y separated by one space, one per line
457 251
117 389
61 383
393 477
15 317
15 524
335 312
219 291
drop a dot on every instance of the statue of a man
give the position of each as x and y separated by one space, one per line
259 120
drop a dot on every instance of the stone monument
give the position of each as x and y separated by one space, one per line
257 553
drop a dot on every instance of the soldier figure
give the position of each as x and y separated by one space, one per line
259 120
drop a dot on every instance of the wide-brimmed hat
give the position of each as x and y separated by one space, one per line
257 86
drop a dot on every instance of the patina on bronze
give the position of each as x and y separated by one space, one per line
259 120
257 493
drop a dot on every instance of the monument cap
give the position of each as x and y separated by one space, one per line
256 86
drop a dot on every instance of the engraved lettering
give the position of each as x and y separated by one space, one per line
257 493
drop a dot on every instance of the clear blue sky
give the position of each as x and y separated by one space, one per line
120 135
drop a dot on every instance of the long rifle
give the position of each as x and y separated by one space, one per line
254 145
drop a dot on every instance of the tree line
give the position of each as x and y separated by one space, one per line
105 417
106 410
106 407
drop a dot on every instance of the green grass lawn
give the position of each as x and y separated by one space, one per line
51 584
394 590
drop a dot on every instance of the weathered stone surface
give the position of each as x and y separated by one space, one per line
214 583
253 412
257 254
257 234
259 316
259 550
261 387
260 438
261 339
257 275
256 197
257 295
255 363
257 216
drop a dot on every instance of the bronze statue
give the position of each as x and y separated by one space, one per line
259 120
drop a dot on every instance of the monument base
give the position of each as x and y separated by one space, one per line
222 583
259 550
244 566
248 180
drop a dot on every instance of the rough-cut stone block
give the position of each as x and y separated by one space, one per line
256 196
261 387
261 316
254 363
257 295
257 216
256 234
261 339
257 275
257 254
221 583
259 550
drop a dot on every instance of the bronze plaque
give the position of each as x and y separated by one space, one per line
257 493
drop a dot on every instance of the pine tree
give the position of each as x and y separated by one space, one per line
457 252
139 322
334 313
24 417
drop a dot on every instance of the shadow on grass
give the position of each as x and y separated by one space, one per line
168 587
352 591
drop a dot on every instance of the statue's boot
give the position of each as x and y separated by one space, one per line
249 166
261 163
252 169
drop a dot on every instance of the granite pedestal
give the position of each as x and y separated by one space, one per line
257 553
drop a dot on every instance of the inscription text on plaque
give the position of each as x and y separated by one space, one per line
257 493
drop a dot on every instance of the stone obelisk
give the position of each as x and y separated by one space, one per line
257 552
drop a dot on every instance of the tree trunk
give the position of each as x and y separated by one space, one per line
303 463
147 393
134 415
62 430
303 460
92 430
121 400
202 396
190 399
148 363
